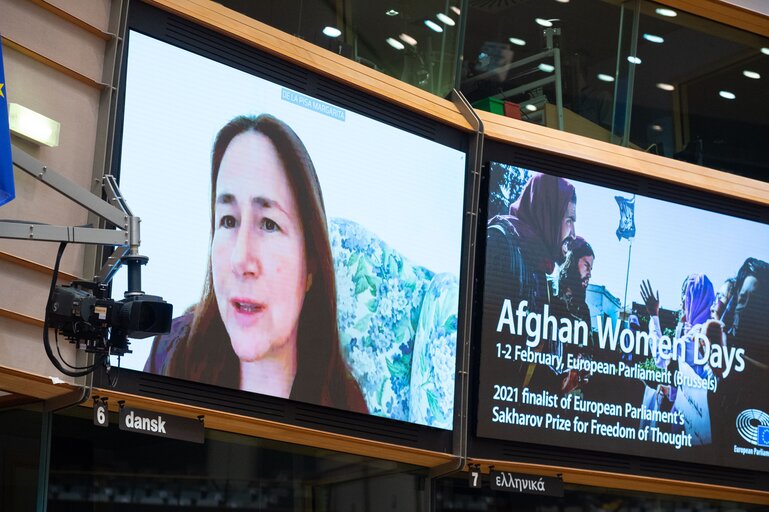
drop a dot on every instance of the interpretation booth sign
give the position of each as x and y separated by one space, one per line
525 484
161 425
622 323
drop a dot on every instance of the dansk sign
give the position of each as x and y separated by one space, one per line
162 425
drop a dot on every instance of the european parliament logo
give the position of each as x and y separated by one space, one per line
753 426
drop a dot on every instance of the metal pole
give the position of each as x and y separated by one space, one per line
627 274
631 74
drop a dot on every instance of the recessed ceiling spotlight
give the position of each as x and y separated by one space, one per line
391 12
666 87
445 19
765 51
603 77
562 1
395 43
542 22
633 59
668 13
656 127
751 74
433 26
727 95
517 41
456 10
547 68
332 32
531 108
654 39
408 39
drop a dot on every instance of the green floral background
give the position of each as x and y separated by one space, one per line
398 327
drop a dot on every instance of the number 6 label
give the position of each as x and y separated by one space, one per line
100 414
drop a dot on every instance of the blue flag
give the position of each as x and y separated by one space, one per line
7 190
626 228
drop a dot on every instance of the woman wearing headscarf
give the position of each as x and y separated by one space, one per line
523 247
690 399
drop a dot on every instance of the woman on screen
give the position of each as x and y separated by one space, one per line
267 319
689 400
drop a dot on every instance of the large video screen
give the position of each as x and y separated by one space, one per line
621 323
310 252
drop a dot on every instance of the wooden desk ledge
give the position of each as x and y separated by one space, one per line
277 431
34 386
627 482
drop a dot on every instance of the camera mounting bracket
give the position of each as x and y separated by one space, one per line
125 239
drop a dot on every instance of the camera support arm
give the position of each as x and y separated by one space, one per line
126 238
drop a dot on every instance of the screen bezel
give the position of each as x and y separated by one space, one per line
191 37
486 447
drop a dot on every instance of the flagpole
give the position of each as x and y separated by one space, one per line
627 273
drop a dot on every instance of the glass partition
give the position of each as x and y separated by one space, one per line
633 73
416 42
95 468
20 458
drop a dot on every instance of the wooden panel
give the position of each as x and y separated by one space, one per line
31 385
53 64
38 267
630 482
61 13
302 53
724 13
19 317
625 159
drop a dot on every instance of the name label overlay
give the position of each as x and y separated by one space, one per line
161 425
525 484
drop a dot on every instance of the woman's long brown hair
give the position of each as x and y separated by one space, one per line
207 356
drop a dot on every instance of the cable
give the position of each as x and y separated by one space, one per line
112 383
61 357
46 340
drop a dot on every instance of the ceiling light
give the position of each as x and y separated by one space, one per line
727 95
517 41
531 108
633 59
751 74
445 19
395 43
547 68
32 126
765 51
456 10
668 13
433 26
562 1
654 39
545 23
408 39
391 12
603 77
666 87
332 32
656 127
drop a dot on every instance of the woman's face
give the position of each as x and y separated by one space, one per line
722 298
258 258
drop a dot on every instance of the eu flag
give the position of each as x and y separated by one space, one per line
7 190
